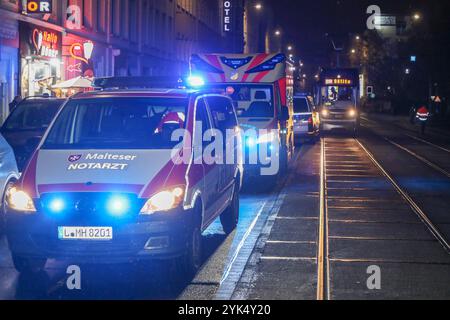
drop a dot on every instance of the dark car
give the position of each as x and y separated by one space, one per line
27 124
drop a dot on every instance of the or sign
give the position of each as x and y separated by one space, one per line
39 6
227 15
338 81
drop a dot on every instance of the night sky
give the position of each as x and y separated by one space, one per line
305 22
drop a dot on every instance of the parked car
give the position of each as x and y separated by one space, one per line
306 118
106 183
26 124
8 175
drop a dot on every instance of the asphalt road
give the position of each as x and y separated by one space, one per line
347 207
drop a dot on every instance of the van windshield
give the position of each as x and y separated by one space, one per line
301 105
251 101
118 123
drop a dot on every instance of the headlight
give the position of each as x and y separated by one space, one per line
163 201
19 200
325 113
352 113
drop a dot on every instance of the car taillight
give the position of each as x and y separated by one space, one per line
310 120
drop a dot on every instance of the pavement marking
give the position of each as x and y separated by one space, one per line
322 246
372 221
350 189
289 258
388 261
352 176
290 242
348 181
296 218
380 239
427 142
422 215
241 244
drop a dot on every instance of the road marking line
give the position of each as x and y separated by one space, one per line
290 242
387 261
289 258
380 239
372 221
296 218
241 244
321 290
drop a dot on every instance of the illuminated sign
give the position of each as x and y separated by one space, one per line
236 63
46 43
82 52
338 81
227 15
39 6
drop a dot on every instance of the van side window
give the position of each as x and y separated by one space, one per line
201 115
222 113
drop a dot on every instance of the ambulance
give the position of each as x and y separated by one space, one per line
108 183
262 88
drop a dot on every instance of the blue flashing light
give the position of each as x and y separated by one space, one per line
195 81
251 142
118 206
57 205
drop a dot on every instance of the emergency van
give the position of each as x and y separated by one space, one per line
262 88
108 183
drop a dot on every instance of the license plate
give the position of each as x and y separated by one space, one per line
85 233
339 116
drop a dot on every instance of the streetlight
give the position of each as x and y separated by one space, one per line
416 16
357 37
277 32
289 48
258 6
353 51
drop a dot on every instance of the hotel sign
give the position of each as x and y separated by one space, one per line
227 15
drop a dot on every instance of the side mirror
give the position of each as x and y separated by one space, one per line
284 116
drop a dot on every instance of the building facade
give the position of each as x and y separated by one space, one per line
95 38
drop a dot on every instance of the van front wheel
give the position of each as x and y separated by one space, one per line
230 217
190 262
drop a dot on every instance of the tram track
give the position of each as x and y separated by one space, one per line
374 204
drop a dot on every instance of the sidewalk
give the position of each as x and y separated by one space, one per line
284 262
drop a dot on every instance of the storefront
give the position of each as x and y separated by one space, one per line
40 59
9 65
